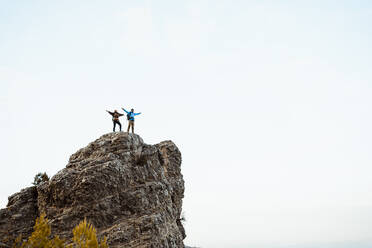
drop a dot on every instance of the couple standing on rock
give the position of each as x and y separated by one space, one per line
130 117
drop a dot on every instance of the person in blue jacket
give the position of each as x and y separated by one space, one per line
130 117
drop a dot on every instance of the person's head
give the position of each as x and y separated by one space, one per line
132 110
115 111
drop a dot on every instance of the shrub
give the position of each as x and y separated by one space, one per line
39 178
40 238
84 237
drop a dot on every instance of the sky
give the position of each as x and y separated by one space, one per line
268 101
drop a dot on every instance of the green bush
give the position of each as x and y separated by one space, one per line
39 178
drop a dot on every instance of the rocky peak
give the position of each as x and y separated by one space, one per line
131 191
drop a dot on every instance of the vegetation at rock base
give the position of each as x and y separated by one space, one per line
39 178
84 237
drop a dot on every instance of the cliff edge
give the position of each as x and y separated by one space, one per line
131 191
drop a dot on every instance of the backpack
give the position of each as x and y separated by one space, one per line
128 116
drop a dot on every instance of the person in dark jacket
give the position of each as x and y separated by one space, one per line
115 118
130 116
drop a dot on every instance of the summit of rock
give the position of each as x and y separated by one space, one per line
132 193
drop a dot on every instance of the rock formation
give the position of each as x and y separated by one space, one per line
132 193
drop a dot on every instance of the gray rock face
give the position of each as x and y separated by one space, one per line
132 193
19 216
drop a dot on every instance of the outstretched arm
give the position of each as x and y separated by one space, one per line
121 114
111 113
125 110
137 113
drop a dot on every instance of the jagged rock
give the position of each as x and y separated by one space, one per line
19 216
132 193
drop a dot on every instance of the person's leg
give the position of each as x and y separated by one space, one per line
128 126
119 125
114 126
132 126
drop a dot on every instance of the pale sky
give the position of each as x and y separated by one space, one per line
268 101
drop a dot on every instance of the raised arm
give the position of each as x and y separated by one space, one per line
111 113
137 113
125 110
